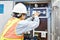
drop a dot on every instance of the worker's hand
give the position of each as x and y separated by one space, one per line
36 14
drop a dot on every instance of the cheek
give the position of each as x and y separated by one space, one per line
24 17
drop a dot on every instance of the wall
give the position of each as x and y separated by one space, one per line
56 21
8 5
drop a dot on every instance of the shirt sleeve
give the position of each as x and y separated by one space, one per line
25 26
29 19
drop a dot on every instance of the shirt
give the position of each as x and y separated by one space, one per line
27 25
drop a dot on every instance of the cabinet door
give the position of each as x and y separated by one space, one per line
42 25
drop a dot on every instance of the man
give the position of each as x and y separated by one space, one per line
17 25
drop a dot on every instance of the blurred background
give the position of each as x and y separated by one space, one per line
49 27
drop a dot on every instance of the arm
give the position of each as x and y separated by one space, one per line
25 26
29 19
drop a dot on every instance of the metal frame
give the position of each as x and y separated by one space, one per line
46 13
48 25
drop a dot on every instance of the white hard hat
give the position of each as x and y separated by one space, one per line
20 8
36 11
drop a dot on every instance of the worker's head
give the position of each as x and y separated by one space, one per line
20 11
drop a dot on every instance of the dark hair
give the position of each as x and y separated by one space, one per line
17 15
